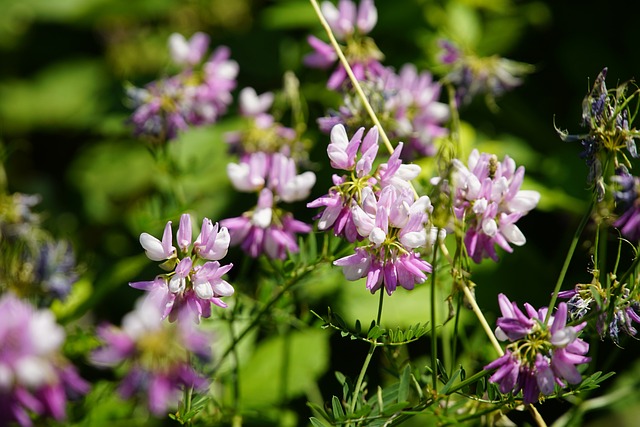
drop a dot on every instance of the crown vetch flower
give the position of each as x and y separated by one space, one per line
195 277
539 355
627 200
349 24
35 378
199 94
489 201
154 355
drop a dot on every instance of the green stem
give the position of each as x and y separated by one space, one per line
365 365
567 261
434 337
295 279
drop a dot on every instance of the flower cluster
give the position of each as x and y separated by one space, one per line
350 24
35 378
489 202
473 75
627 201
379 208
156 355
540 354
605 114
266 167
195 274
406 104
196 96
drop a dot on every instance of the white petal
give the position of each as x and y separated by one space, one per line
489 227
414 239
524 201
203 290
513 234
377 236
223 289
153 247
262 217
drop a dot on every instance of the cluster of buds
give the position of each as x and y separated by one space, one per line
35 378
406 104
540 353
378 208
605 114
617 308
33 264
488 201
198 95
266 167
194 279
155 354
473 75
350 24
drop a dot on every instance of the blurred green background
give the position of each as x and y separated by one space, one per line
63 118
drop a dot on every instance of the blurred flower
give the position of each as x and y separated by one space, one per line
627 201
540 354
155 354
406 104
195 276
605 114
349 24
35 378
267 228
198 95
32 263
473 75
489 201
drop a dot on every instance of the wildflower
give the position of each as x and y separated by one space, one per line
473 75
198 95
194 279
489 201
379 208
35 378
406 104
153 353
606 116
350 24
539 354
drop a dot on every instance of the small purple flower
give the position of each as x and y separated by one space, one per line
489 201
188 53
154 355
266 229
35 378
627 201
539 355
195 276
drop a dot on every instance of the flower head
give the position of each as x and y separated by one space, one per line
154 354
406 104
195 277
199 94
539 354
35 378
489 201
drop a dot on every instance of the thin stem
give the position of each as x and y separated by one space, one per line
567 261
352 77
474 307
481 318
365 365
379 317
434 337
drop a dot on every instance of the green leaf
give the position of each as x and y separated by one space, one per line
307 353
336 405
405 384
449 383
316 422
